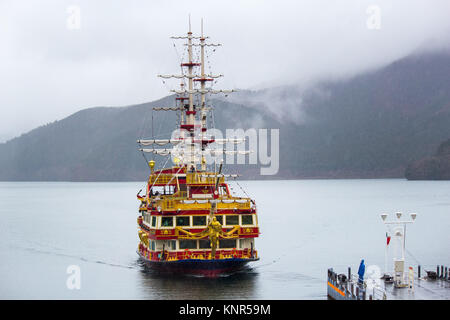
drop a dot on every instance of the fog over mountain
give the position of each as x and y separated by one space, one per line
370 125
50 68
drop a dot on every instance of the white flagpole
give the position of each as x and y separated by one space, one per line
385 256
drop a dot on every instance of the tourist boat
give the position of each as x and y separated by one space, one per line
190 222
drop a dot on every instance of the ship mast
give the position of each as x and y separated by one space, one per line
189 157
203 94
190 116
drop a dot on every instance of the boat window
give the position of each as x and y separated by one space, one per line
153 221
173 244
167 222
183 221
199 221
188 244
227 244
220 219
161 190
247 219
153 245
232 220
204 244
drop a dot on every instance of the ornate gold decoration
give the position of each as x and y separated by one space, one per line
213 231
144 237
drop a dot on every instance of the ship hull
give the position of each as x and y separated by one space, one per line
205 268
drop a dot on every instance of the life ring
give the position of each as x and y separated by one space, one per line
234 253
187 254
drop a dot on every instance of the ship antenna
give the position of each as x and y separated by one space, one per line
189 22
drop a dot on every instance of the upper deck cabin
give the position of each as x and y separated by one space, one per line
175 189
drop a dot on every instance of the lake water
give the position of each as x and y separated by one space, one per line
307 226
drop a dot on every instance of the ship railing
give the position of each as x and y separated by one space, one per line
354 289
199 178
205 254
180 195
191 178
372 291
174 203
163 178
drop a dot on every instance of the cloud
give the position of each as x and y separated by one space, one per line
48 71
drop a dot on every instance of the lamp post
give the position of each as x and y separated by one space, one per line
400 234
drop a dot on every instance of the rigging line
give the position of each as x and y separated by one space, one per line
164 118
174 176
146 160
176 52
141 129
161 134
207 58
160 171
153 136
214 126
181 61
244 192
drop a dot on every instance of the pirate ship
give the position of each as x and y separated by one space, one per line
189 220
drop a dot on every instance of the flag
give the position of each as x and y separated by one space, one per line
388 239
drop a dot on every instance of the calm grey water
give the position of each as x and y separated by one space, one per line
307 226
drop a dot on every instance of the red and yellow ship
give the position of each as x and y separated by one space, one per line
189 220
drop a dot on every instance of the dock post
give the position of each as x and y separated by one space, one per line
351 288
363 294
357 293
349 273
446 273
442 271
437 272
370 297
418 271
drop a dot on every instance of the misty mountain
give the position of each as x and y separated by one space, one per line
371 125
99 144
436 167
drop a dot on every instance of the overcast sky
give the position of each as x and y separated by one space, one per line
50 68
